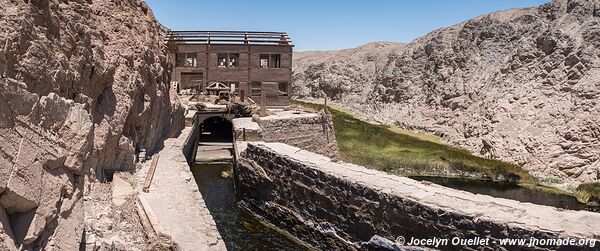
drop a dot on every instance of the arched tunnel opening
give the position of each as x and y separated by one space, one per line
213 173
215 141
216 129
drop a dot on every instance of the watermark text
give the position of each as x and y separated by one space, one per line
485 241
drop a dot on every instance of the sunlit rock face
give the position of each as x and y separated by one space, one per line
522 85
84 87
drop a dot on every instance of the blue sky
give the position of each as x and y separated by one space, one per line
328 24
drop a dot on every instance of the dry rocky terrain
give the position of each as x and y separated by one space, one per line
521 85
84 90
84 93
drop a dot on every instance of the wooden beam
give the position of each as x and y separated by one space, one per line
150 174
228 37
147 217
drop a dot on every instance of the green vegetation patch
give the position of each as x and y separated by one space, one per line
588 192
398 152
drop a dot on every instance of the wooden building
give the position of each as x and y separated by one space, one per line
256 65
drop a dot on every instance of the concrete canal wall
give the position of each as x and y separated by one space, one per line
309 131
336 205
173 202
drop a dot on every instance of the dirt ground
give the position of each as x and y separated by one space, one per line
109 226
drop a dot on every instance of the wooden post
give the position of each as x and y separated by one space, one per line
244 134
326 111
150 174
326 127
231 92
263 103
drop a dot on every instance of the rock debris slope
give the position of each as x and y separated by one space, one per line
522 85
341 75
84 89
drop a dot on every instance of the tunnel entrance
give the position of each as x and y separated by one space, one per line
216 129
213 173
215 143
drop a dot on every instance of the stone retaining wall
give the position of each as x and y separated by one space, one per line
309 131
334 205
245 129
191 141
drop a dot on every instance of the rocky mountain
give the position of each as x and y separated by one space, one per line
318 73
522 85
83 90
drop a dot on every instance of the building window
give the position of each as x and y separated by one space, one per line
283 89
180 59
222 60
264 60
256 89
228 60
233 87
234 59
191 60
275 61
191 81
270 60
186 59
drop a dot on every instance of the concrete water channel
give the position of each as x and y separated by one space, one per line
288 190
213 172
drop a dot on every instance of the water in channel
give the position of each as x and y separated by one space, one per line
510 191
239 229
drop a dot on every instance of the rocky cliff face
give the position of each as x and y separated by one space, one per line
84 88
522 85
319 73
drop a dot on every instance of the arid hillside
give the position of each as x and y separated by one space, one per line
317 73
84 90
521 85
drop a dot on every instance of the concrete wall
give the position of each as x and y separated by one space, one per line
340 206
309 131
191 141
174 204
245 129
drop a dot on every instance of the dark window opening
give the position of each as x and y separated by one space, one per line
270 60
180 59
283 89
222 60
264 60
186 59
234 59
234 87
191 81
275 61
228 60
191 60
256 89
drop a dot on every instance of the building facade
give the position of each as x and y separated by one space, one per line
255 65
